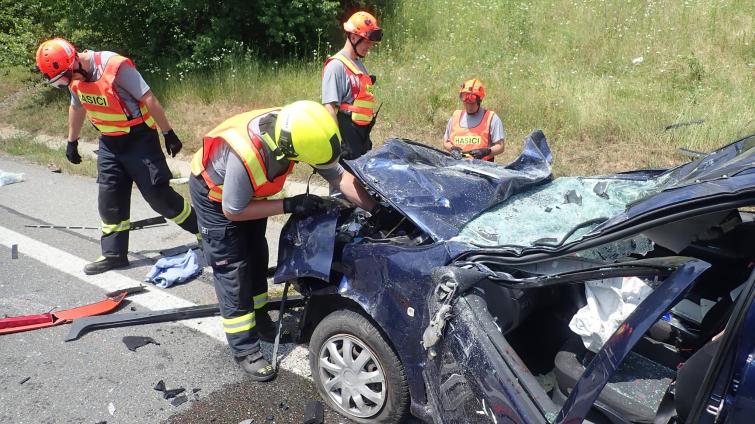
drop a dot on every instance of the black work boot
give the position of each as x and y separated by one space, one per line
103 264
257 367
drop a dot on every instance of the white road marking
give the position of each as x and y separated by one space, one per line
153 298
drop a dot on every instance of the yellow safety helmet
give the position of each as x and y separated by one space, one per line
306 132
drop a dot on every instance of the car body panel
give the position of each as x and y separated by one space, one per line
441 194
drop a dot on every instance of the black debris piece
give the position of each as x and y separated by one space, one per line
135 342
572 196
179 400
101 422
133 308
600 189
270 418
171 393
24 380
548 209
160 386
283 405
684 124
194 390
314 413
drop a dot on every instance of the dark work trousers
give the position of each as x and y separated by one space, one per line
238 254
135 158
355 138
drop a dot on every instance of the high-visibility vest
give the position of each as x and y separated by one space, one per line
363 107
105 109
237 132
471 138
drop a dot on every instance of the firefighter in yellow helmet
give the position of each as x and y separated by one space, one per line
347 86
474 132
243 161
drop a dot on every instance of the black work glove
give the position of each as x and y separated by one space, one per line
304 204
172 143
72 152
479 153
456 153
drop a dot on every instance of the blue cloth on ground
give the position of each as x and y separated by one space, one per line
174 269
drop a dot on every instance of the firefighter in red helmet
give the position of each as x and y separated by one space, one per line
106 88
347 86
474 132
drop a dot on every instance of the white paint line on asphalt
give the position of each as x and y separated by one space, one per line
153 298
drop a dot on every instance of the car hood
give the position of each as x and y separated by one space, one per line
440 194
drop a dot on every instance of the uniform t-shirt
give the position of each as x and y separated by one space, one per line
336 86
129 84
225 165
497 132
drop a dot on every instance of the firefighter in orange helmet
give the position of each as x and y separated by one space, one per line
107 88
347 86
474 132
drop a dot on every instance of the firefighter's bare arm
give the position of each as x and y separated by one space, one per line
76 117
332 108
497 148
256 209
156 110
355 192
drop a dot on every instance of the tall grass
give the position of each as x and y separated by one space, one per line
601 78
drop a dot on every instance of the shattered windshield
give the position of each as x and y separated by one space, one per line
556 213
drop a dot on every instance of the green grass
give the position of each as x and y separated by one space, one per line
562 66
43 155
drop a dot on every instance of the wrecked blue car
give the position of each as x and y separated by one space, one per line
490 293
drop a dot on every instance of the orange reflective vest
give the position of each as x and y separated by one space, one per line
363 107
105 109
471 138
237 132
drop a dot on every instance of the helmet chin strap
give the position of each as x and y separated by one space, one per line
80 70
354 46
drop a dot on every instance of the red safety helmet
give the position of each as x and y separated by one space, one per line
55 59
472 91
364 25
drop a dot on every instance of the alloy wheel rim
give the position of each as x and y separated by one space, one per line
352 376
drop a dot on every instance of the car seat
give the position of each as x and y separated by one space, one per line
635 392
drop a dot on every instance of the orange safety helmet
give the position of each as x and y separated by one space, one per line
364 25
471 88
55 59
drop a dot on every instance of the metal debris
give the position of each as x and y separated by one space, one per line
111 408
247 421
160 386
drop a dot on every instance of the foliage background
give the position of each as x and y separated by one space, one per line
602 78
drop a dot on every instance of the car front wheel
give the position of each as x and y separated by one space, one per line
356 371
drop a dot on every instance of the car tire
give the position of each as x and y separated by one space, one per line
372 379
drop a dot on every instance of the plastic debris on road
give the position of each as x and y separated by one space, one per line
7 178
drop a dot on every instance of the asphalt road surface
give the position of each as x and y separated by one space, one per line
96 378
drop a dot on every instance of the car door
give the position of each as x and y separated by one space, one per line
473 374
